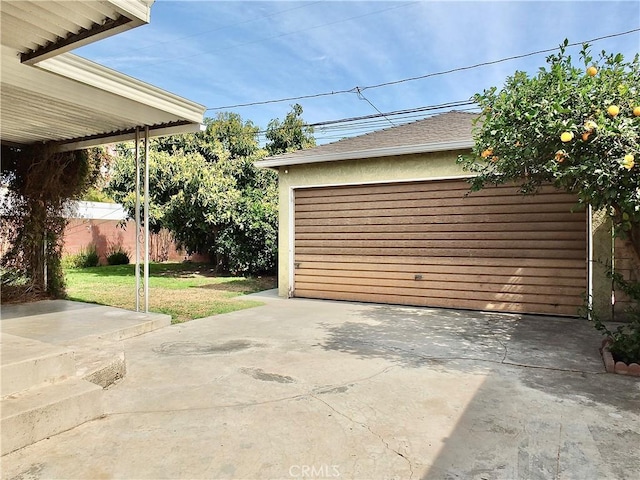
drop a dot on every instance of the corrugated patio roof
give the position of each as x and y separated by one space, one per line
50 95
446 131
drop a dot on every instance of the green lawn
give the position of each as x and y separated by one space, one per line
183 290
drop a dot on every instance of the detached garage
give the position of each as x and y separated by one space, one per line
387 217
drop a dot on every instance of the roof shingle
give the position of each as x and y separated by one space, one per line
452 127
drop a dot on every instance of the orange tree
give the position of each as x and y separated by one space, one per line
576 127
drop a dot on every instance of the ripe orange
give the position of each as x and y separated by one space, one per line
636 111
613 110
591 71
566 136
585 136
487 153
628 162
560 156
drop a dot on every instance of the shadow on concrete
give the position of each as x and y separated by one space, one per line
540 372
552 354
414 337
509 431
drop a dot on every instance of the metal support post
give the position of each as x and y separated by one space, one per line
146 218
137 220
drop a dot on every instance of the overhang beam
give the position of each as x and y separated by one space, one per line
74 40
173 128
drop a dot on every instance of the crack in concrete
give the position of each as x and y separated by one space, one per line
559 449
380 437
312 393
504 345
476 359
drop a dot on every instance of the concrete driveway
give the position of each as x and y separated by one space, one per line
318 389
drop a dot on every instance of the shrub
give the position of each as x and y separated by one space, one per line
87 257
625 339
117 255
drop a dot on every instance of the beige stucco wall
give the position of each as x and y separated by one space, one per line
403 168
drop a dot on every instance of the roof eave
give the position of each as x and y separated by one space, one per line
127 135
80 69
133 13
293 159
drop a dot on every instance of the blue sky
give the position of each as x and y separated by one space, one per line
221 53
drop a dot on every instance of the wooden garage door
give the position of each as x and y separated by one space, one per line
429 243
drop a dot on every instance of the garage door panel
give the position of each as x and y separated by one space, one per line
434 236
460 288
445 252
397 244
419 301
497 219
460 187
561 265
481 299
454 202
429 243
473 228
498 277
408 210
442 196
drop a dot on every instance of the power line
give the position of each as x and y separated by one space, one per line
440 106
374 120
420 77
493 62
345 127
362 97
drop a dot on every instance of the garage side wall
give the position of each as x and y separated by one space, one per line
387 169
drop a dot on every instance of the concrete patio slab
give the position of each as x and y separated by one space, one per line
56 356
27 362
62 322
315 389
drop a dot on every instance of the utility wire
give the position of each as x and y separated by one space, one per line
458 103
346 127
493 62
373 120
420 77
362 97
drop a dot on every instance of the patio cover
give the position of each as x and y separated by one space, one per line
51 95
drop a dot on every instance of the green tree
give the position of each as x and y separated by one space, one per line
578 129
205 189
289 135
225 133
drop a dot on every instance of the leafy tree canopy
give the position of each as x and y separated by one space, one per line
206 190
575 127
226 133
289 135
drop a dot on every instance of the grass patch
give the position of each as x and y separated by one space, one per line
183 290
